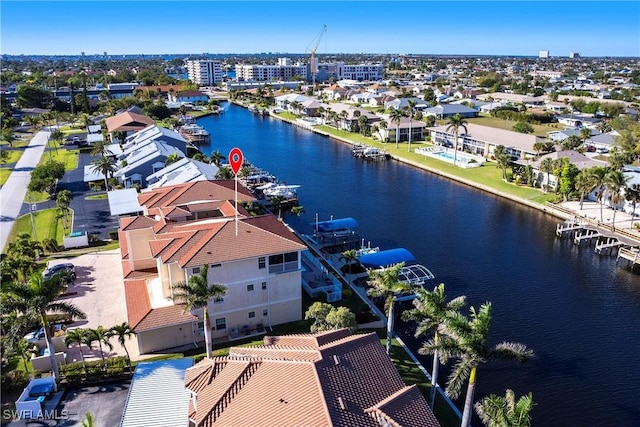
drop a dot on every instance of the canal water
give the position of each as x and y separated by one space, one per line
578 311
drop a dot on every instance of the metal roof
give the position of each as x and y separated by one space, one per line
385 258
157 396
123 202
336 224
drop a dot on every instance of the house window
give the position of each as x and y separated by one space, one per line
215 265
252 314
249 288
265 312
262 262
221 323
196 270
264 286
283 262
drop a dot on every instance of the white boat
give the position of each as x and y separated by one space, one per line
286 191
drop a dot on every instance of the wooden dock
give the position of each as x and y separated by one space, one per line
629 254
607 243
569 226
586 234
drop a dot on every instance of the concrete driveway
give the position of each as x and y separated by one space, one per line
99 292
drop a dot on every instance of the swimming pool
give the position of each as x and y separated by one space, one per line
463 160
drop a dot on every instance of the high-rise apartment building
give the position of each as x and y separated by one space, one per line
543 54
205 72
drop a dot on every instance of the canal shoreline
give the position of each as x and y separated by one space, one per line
558 211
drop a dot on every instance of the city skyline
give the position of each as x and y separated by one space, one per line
592 28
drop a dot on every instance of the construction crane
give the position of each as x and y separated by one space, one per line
313 68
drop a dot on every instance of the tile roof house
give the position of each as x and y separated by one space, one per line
187 226
331 378
128 122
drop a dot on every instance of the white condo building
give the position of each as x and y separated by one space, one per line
205 72
283 71
360 72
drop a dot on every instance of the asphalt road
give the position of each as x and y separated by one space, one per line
14 190
92 216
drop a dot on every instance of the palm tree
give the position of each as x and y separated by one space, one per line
411 111
100 148
546 166
35 300
615 182
105 165
23 349
499 411
101 335
224 173
584 184
455 123
88 421
349 256
466 339
431 309
632 194
382 125
76 336
122 332
395 116
385 283
196 294
503 159
598 174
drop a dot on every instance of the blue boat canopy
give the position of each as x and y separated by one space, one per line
336 224
385 258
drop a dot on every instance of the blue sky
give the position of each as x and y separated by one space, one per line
593 28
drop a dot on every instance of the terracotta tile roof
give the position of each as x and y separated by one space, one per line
181 194
136 222
223 245
336 379
296 402
302 354
128 121
124 248
166 316
404 408
314 341
138 303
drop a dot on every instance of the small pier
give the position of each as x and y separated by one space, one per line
586 234
607 243
569 226
631 254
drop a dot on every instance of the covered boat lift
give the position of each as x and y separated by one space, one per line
414 275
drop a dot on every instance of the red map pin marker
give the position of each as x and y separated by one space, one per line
235 159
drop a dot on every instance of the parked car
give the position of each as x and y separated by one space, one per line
37 335
54 269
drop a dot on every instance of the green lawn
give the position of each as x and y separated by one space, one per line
96 197
46 223
14 155
18 143
4 175
36 197
64 155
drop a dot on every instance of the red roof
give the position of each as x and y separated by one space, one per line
328 379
